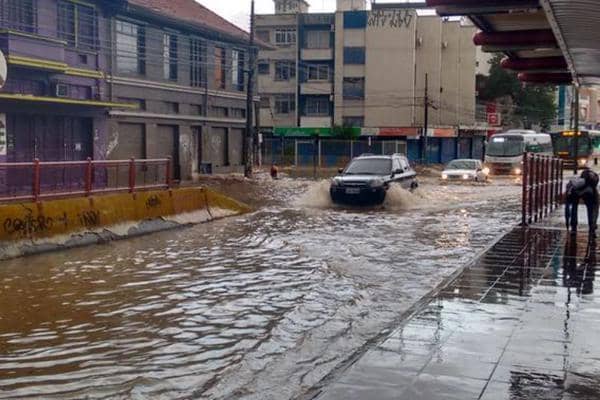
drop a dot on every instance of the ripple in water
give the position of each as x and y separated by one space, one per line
257 307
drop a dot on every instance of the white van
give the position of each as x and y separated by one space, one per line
504 151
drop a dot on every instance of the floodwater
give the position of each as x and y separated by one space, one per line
255 307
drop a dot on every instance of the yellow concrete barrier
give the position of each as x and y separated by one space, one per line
49 218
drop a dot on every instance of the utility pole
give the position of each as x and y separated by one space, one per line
425 119
576 123
249 134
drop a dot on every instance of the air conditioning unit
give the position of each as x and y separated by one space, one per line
61 90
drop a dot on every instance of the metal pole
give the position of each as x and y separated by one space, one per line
249 134
524 201
426 119
131 175
36 179
576 141
88 177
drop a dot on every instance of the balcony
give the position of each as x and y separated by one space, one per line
317 87
25 47
317 54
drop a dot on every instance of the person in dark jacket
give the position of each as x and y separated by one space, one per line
585 187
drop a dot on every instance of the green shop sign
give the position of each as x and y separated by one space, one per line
336 132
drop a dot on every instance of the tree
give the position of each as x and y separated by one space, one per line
530 104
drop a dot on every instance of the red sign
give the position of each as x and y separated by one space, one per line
493 119
398 132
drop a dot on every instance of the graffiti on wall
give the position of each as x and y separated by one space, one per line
29 225
390 18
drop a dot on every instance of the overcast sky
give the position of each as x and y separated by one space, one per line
238 11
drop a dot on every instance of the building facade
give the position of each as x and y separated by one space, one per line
368 69
116 79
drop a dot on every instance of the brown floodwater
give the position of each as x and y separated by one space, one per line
261 306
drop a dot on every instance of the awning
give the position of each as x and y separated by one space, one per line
546 41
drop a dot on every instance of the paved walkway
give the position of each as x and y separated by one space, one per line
522 323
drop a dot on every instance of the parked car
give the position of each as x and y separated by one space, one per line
465 171
366 179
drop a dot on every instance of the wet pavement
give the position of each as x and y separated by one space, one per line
521 323
262 306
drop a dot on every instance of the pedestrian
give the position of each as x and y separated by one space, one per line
584 187
274 171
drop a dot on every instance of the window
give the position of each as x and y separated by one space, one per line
170 56
318 72
354 88
237 69
131 48
264 36
20 15
264 68
354 121
220 67
285 37
197 62
77 24
285 70
171 107
317 106
317 40
355 19
196 109
237 113
222 112
285 104
354 55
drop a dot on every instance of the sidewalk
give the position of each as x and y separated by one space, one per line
522 323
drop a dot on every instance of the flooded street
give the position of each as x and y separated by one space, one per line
255 307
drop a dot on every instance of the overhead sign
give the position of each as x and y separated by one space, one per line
3 70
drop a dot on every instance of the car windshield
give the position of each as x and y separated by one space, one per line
370 166
506 146
462 164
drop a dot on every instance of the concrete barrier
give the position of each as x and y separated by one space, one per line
53 224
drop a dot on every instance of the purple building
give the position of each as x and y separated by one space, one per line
115 79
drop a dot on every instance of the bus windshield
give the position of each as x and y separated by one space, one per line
566 144
506 146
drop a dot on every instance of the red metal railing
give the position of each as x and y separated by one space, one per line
33 181
542 186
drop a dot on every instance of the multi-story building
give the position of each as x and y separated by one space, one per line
115 79
367 69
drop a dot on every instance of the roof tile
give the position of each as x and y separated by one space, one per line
194 13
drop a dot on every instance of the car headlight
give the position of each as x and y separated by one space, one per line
518 171
336 182
466 176
486 171
376 183
444 176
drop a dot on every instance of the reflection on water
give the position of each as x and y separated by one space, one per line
260 306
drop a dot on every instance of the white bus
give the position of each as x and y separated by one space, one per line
504 152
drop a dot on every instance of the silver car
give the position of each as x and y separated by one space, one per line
465 171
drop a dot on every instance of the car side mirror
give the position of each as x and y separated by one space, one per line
340 170
398 171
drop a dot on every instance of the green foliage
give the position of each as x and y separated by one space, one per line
533 104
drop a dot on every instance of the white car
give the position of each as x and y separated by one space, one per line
465 171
